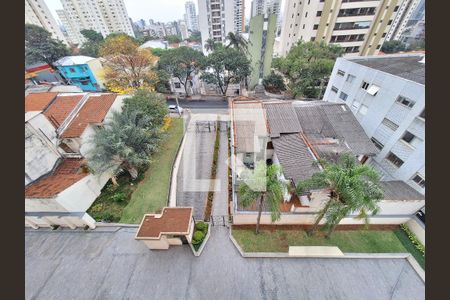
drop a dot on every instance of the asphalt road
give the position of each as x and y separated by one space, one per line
66 264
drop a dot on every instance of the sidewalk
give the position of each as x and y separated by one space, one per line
220 203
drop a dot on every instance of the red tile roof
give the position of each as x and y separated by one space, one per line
174 220
66 174
61 108
38 101
93 111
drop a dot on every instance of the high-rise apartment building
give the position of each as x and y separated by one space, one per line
37 13
260 7
191 16
359 26
405 14
217 18
103 16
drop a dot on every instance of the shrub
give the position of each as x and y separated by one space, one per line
413 239
198 237
118 197
201 226
274 83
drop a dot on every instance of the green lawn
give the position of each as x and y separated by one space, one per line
403 237
361 241
151 193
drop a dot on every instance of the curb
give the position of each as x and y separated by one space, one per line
200 250
415 265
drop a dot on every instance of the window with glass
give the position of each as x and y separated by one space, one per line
350 78
365 85
395 160
334 89
340 72
405 101
377 143
389 124
343 96
419 180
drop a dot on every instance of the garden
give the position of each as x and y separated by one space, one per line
201 230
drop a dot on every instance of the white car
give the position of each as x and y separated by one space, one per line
175 109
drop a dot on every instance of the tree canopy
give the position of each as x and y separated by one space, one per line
41 47
147 104
274 83
91 46
172 39
393 46
127 67
195 37
307 65
224 66
182 63
354 188
237 41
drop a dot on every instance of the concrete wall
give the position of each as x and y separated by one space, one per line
417 228
382 105
97 70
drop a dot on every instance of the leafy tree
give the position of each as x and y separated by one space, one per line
264 186
149 105
274 83
182 63
417 45
173 39
162 84
158 51
237 41
195 37
393 46
224 66
307 65
125 142
91 46
127 67
41 47
353 188
212 45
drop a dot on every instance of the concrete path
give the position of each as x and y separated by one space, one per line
112 265
220 203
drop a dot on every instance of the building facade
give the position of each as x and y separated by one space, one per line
405 14
37 13
82 71
105 17
360 27
217 18
387 96
191 16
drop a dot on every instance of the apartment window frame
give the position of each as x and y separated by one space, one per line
350 78
343 96
394 159
319 13
365 85
419 180
377 143
340 73
334 89
389 124
316 26
404 101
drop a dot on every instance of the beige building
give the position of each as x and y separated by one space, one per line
37 13
174 226
360 27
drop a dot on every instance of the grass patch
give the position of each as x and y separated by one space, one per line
358 241
152 192
406 242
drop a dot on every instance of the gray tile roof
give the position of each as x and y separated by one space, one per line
407 66
399 190
295 159
281 118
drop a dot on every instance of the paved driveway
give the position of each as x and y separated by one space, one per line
112 265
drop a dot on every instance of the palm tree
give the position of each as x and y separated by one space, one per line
237 41
263 184
125 142
353 188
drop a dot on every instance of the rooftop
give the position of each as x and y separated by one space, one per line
404 66
58 111
67 173
38 101
172 220
93 111
73 60
399 190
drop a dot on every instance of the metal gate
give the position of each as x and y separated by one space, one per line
221 220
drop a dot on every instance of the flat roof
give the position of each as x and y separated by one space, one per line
172 220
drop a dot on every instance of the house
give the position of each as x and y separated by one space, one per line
42 73
58 187
174 226
82 71
295 135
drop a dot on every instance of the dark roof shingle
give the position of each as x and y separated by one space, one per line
281 118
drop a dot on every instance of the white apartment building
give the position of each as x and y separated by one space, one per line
260 7
105 17
359 26
191 16
401 20
37 13
387 96
182 26
217 18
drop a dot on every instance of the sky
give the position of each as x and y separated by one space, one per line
158 10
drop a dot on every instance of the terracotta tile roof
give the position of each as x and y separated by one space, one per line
38 101
66 174
93 111
173 220
61 108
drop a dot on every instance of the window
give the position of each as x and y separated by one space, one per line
396 8
422 114
319 13
377 143
363 110
390 22
408 136
378 47
340 73
306 14
355 104
389 124
394 159
343 96
405 101
419 180
177 85
334 89
316 26
313 39
350 78
373 90
72 70
364 85
384 34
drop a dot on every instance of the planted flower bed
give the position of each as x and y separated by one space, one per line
199 236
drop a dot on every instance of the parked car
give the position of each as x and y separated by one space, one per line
175 109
